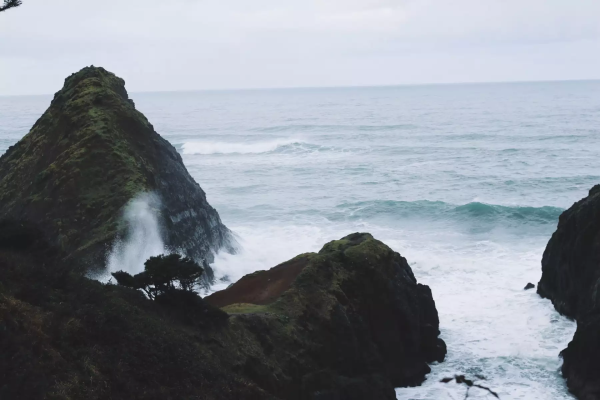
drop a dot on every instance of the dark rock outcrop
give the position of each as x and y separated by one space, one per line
353 317
350 322
529 286
571 279
86 158
581 359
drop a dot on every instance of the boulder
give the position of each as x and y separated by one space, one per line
349 322
88 155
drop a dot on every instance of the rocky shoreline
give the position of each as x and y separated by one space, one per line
348 322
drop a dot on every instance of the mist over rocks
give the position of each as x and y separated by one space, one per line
90 154
571 279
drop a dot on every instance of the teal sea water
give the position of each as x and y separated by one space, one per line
466 181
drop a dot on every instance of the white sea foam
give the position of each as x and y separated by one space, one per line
207 147
283 243
143 238
491 325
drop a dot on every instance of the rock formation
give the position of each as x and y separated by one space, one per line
349 322
571 279
353 318
86 157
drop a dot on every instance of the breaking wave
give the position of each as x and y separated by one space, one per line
474 212
238 148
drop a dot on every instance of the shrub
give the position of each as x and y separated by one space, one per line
162 274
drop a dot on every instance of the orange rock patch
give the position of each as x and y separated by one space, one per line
262 287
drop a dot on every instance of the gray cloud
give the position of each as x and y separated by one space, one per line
211 44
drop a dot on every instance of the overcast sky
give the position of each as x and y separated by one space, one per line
223 44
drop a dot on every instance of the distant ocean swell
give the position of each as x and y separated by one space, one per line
271 146
438 210
336 128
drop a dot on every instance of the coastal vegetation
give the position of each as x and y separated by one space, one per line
163 274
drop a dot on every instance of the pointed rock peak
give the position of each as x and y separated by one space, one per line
93 82
88 156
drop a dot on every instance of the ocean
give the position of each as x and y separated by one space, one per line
466 181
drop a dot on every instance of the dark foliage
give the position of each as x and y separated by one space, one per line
462 380
19 235
10 4
65 337
163 274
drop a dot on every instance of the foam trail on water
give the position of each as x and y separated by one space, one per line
491 325
202 147
143 238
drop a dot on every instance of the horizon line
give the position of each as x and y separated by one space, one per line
336 87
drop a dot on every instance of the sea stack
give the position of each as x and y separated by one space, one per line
571 279
90 154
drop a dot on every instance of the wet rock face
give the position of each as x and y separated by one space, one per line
571 279
86 157
571 261
351 319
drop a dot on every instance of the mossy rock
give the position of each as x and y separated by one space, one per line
88 155
350 318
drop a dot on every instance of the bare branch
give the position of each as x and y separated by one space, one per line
461 379
10 4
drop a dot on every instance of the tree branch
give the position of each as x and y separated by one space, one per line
461 379
10 4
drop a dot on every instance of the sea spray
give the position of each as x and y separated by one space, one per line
143 238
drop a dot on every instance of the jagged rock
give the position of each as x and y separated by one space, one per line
349 319
86 157
571 261
571 278
529 286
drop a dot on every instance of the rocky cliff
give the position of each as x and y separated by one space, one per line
571 279
349 322
86 158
